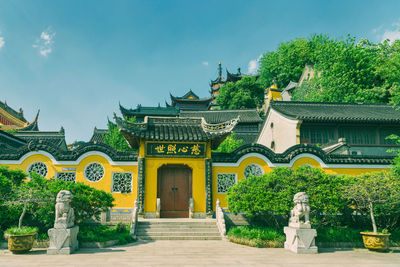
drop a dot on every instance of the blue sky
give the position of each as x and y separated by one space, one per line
76 60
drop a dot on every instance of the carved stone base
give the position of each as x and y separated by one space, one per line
301 241
300 225
63 241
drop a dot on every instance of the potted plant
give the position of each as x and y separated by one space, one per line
369 191
21 238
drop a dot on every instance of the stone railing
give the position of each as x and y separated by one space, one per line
191 208
134 219
158 207
219 215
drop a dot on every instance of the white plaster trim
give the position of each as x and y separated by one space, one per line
305 155
257 155
76 162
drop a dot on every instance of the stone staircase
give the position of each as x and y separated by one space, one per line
177 229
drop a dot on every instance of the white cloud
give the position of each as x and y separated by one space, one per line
45 43
205 63
253 65
391 35
2 42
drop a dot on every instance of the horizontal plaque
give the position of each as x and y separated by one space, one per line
171 149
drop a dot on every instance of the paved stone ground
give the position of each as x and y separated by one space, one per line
199 253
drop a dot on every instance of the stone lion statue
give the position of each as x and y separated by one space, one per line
64 213
300 214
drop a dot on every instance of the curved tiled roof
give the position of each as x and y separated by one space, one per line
293 151
66 155
149 111
345 112
55 138
11 111
175 129
218 116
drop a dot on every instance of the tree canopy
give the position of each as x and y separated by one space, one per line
350 70
115 139
245 93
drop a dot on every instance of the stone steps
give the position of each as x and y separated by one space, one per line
177 229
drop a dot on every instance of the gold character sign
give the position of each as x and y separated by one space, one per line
184 150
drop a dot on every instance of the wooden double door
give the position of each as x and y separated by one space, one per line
174 184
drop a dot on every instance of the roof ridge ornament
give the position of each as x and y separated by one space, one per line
218 128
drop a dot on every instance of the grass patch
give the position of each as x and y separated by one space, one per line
24 230
103 233
257 236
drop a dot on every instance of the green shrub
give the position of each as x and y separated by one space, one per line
24 230
87 203
103 233
257 236
270 196
339 234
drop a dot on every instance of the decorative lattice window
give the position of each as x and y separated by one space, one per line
253 169
225 181
37 167
121 182
93 172
66 176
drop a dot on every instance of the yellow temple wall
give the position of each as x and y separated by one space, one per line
197 165
122 200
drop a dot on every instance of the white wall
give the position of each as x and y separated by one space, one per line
283 132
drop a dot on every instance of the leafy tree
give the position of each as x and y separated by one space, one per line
115 139
372 191
351 71
8 180
26 194
34 201
286 63
245 93
229 144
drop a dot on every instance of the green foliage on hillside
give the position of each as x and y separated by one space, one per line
350 70
115 139
245 93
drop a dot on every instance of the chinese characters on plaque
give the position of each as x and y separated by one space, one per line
191 150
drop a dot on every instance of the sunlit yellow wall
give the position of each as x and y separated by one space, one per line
121 200
152 165
239 170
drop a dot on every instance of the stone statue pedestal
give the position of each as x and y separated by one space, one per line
63 240
301 240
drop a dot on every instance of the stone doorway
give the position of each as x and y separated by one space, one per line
174 188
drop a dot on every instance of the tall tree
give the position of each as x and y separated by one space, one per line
245 93
115 139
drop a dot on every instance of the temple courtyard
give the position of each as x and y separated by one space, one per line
199 253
